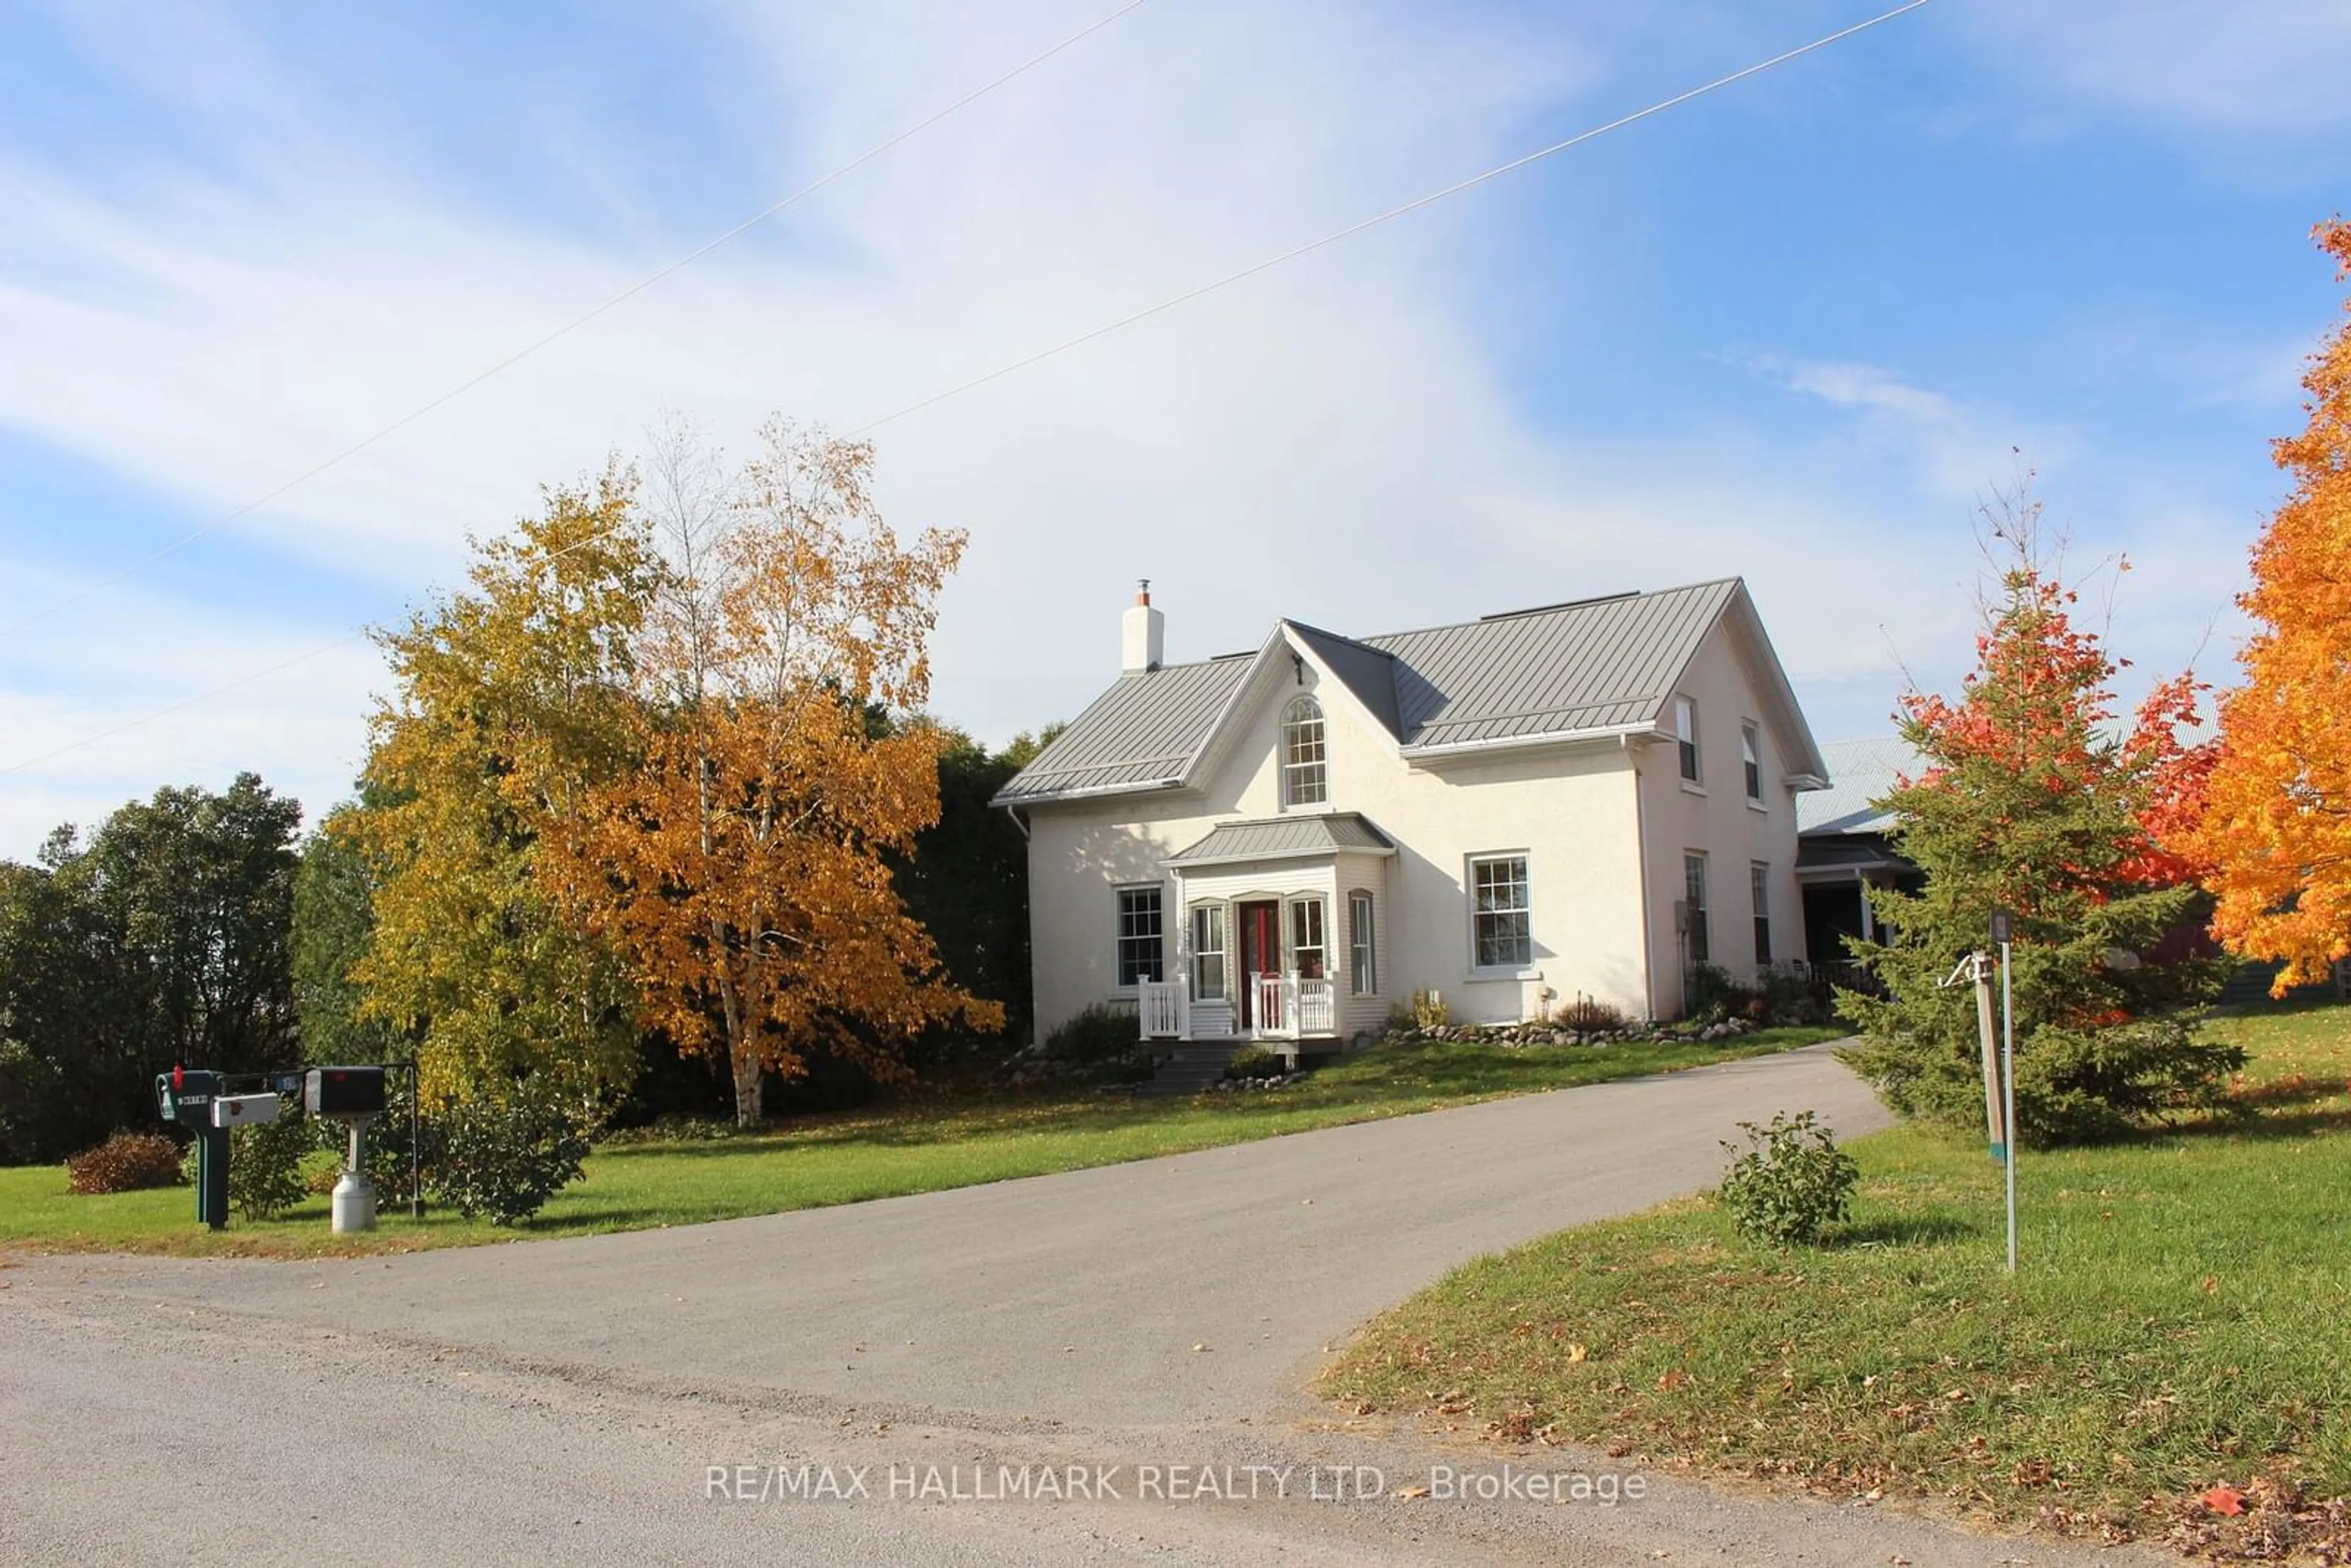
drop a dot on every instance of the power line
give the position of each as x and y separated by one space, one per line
183 703
1413 206
688 259
1165 304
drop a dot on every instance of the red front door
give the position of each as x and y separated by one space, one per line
1261 927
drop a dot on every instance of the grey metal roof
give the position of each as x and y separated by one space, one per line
1369 673
1860 772
1592 665
1142 732
1597 664
1839 855
1285 838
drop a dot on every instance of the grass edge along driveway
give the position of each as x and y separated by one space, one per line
887 1152
2173 1361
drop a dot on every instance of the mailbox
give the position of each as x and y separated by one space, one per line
345 1091
191 1096
186 1095
243 1110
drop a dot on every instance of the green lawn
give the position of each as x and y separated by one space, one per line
905 1149
2182 1321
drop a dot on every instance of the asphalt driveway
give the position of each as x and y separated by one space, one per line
572 1398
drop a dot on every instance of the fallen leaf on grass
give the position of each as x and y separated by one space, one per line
2223 1499
1673 1379
1576 1352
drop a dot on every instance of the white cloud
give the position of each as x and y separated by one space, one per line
1332 441
2192 65
1276 436
302 727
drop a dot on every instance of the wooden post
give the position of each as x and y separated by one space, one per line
1995 1118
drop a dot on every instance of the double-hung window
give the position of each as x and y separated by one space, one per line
1501 933
1693 901
1686 738
1363 965
1138 935
1751 754
1306 938
1305 771
1208 953
1759 888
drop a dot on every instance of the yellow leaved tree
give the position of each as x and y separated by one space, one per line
2275 835
510 705
737 864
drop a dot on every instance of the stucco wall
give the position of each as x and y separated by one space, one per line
1716 819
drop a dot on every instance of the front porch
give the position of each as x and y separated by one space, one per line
1278 937
1288 1009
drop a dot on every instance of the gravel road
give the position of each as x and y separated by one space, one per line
1130 1347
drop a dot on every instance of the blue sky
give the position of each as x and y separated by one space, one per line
1793 331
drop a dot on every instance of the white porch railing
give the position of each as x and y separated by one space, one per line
1292 1007
1161 1007
1285 1007
1317 1006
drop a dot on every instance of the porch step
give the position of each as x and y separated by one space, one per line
1190 1069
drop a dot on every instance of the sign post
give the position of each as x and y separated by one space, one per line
2002 933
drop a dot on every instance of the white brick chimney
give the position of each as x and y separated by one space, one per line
1143 634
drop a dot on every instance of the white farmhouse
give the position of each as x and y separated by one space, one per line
1587 797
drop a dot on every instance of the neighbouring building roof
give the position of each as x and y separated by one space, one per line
1581 668
1860 772
1835 854
1285 838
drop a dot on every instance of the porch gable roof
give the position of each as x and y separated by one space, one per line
1285 838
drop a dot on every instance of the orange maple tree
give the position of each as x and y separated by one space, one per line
739 864
2274 835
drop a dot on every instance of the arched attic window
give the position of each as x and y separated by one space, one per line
1304 777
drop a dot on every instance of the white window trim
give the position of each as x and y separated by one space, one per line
1701 909
1750 738
1195 952
1758 880
1685 704
1287 769
1367 939
1289 906
1528 971
1118 936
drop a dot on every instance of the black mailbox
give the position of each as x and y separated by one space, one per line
186 1095
343 1091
